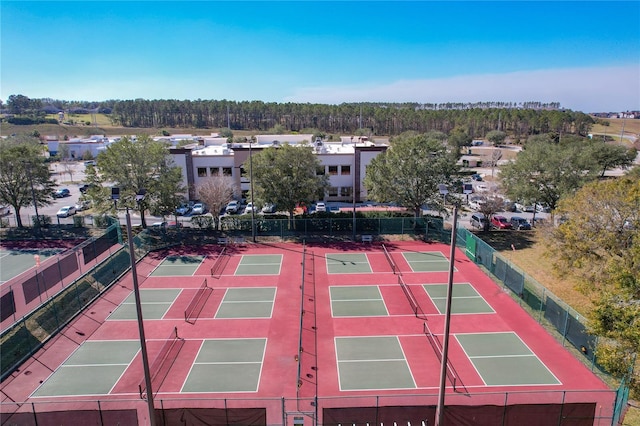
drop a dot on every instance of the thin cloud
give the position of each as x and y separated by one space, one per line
583 89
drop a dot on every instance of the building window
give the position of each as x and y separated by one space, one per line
227 171
214 171
346 191
202 172
332 191
333 170
345 170
243 172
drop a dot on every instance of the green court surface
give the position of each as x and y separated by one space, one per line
464 299
259 264
250 302
155 304
93 369
372 363
502 359
227 365
178 266
348 263
357 301
15 262
430 261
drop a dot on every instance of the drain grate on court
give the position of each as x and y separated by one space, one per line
429 261
464 299
357 301
178 266
93 369
372 363
227 365
259 264
155 304
348 263
503 359
252 302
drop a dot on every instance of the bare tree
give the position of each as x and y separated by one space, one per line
216 192
68 168
496 155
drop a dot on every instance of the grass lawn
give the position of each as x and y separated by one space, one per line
614 129
530 256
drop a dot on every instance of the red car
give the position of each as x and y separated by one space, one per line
500 222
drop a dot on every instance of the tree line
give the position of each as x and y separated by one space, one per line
366 118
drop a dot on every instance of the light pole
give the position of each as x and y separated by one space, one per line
253 206
115 195
354 196
447 319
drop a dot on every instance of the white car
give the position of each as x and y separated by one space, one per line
249 208
321 207
66 211
82 205
198 208
232 208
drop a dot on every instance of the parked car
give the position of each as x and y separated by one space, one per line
478 220
321 207
476 203
520 223
269 208
233 207
500 222
61 193
542 208
183 209
66 211
250 207
82 205
476 177
198 208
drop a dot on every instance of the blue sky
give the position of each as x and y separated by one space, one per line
583 54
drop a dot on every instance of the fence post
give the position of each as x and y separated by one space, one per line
504 412
564 330
100 412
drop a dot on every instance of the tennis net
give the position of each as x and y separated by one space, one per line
163 362
410 296
198 301
394 267
218 265
437 348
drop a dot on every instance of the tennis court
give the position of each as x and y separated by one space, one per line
290 329
464 299
503 359
429 261
251 302
259 264
178 266
372 362
357 301
227 365
93 369
348 263
16 261
155 304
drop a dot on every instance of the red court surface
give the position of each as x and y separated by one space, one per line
300 372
